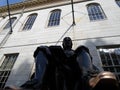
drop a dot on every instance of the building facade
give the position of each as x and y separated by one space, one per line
46 22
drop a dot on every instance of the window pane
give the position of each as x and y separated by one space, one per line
54 18
110 58
30 21
95 12
8 24
6 68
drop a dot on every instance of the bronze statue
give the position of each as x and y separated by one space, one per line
60 68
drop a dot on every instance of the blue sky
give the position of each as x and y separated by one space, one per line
4 2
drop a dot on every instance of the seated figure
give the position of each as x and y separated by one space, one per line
60 68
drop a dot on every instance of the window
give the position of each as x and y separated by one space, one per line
6 67
95 12
110 58
30 21
118 2
54 17
8 24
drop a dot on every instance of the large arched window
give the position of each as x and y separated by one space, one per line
95 12
30 21
118 2
54 17
8 23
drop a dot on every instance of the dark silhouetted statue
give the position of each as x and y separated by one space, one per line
58 68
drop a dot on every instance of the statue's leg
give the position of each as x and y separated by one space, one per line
84 61
95 81
45 71
41 63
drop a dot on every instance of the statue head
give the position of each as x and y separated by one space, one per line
67 43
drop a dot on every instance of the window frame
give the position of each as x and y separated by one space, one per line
110 59
95 12
28 24
54 18
8 61
7 25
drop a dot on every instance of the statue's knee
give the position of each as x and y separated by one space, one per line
84 59
44 49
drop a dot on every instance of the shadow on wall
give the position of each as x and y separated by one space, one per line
97 42
21 72
92 45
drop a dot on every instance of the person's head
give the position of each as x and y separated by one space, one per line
67 43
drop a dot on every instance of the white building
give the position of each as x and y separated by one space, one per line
47 22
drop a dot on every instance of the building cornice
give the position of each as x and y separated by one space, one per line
18 6
34 4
